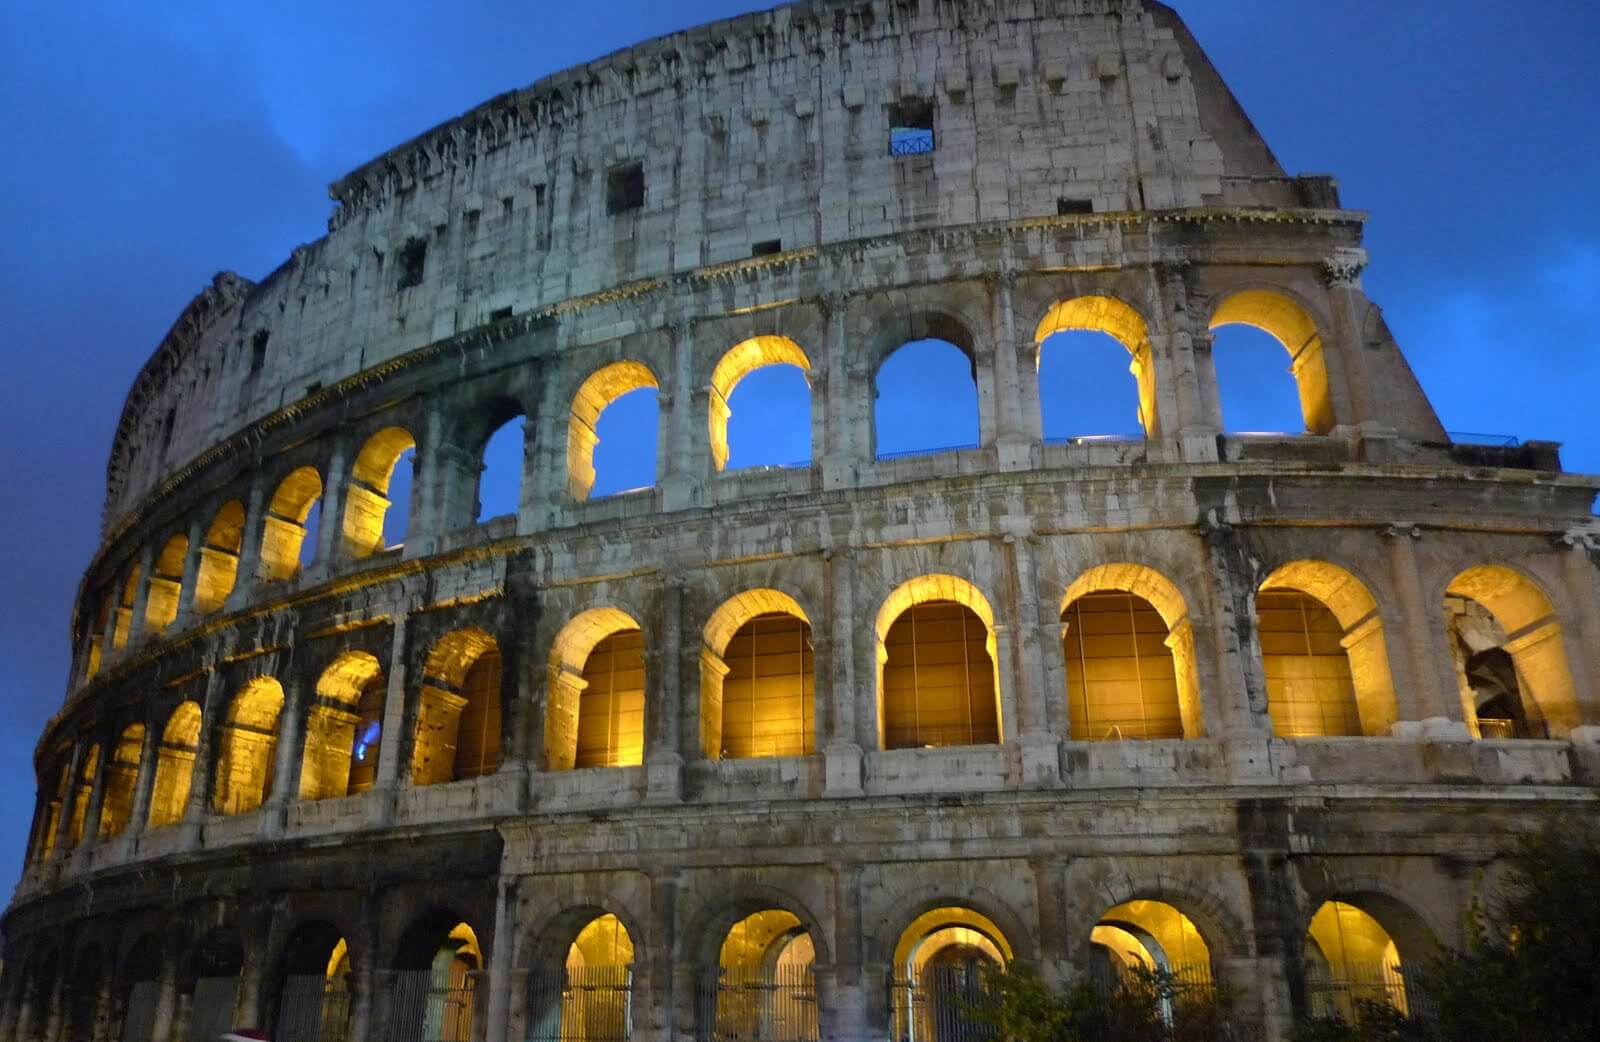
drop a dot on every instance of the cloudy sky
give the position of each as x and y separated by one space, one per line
149 145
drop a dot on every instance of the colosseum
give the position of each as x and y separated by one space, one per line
786 753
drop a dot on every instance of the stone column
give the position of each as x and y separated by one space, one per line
500 956
108 633
68 802
141 598
1430 706
247 577
1583 592
1343 274
200 776
1191 369
840 450
680 468
1040 749
1049 888
393 736
1239 702
854 992
426 487
191 575
144 785
330 529
664 742
842 751
287 761
97 793
1013 443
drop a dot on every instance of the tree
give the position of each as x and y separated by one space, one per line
1146 1006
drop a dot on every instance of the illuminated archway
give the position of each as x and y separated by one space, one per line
765 982
166 585
175 765
757 678
313 1002
927 383
1350 959
597 392
437 969
741 360
331 723
367 498
124 624
594 714
121 777
1511 656
458 722
219 558
1288 323
1123 324
1148 936
78 822
209 981
939 963
246 743
589 994
284 529
1323 650
938 681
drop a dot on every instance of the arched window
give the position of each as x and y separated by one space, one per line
778 404
219 558
91 664
435 982
1087 347
1511 657
130 593
292 517
926 400
209 980
1150 937
175 765
166 585
373 521
628 460
588 996
458 724
500 480
367 742
765 985
314 1001
331 720
87 770
139 989
246 744
82 995
757 679
939 966
1248 399
594 715
122 775
937 684
54 811
1350 959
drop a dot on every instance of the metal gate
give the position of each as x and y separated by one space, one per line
1341 996
584 1004
313 1008
756 1005
936 1005
421 1010
139 1023
211 1008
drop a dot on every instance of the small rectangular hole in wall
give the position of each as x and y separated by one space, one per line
541 237
312 389
1066 207
911 127
413 261
766 248
507 205
499 314
624 188
258 350
166 428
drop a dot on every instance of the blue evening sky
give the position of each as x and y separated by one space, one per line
149 145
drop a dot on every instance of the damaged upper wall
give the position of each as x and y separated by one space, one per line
766 131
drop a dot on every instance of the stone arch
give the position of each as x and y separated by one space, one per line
84 997
180 738
476 429
137 988
897 331
130 595
219 558
367 498
458 732
1362 660
939 590
1160 593
121 778
438 962
1275 312
166 584
82 789
759 981
782 722
314 973
331 721
581 976
1355 947
603 386
246 743
1531 636
1120 321
740 361
284 528
568 681
209 974
707 927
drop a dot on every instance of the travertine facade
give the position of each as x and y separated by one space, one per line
377 776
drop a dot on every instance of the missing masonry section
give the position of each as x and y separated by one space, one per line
624 188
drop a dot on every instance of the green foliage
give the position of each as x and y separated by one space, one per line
1148 1007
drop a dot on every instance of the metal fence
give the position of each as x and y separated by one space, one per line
587 1004
936 1005
419 1009
1340 996
313 1008
757 1005
139 1022
910 141
1168 993
211 1008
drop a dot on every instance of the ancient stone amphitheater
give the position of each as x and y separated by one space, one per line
785 753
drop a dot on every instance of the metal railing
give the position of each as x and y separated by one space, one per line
583 1004
1500 728
1340 996
419 1009
936 1005
1504 441
931 737
910 141
933 451
757 1005
313 1008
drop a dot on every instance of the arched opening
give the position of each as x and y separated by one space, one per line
1085 348
293 514
1350 959
314 1001
246 743
139 990
433 997
1245 389
209 977
589 996
925 400
219 558
937 680
780 427
331 740
367 740
1511 656
50 811
121 778
84 996
503 460
939 967
1323 651
81 793
764 985
96 641
40 992
175 765
458 722
631 454
594 715
373 522
166 585
124 625
757 679
1138 941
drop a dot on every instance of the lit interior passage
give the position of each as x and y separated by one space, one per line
175 765
926 400
765 986
166 585
1511 658
778 419
500 476
592 998
124 624
367 503
314 1004
458 721
330 728
757 681
288 533
246 743
635 439
121 778
81 793
434 991
219 558
937 680
1250 402
50 825
594 707
1122 679
91 665
1148 936
1086 349
939 965
1349 960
